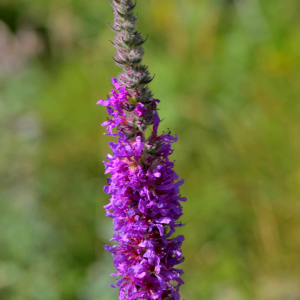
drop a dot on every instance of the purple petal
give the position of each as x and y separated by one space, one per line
164 220
115 83
103 102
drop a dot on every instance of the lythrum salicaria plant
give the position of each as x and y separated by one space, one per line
145 201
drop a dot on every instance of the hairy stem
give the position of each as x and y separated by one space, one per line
129 54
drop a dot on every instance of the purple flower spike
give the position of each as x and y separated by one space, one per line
145 201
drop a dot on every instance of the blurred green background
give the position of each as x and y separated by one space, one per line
228 75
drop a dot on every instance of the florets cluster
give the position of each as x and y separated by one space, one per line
145 201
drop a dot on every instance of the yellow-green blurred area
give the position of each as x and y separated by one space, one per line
228 77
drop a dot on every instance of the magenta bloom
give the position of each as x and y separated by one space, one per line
145 201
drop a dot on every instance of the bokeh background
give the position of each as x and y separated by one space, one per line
228 75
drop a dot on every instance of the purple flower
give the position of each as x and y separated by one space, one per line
143 187
140 109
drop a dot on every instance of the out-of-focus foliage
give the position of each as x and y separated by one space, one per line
227 73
